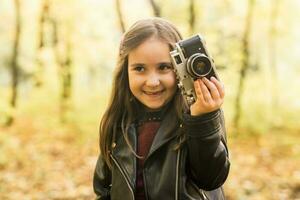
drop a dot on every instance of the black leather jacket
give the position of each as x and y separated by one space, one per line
197 170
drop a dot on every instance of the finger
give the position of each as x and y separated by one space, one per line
212 88
198 90
219 86
205 92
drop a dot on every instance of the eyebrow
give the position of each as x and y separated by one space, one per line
137 64
143 64
166 63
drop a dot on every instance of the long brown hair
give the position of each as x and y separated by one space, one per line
122 106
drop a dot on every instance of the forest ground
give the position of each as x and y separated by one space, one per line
58 163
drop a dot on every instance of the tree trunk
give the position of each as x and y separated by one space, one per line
120 15
192 17
273 57
65 70
245 63
14 63
156 9
41 43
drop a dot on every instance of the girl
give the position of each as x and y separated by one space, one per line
153 146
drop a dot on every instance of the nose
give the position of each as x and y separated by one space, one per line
153 80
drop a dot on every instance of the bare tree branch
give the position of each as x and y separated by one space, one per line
192 16
156 9
120 15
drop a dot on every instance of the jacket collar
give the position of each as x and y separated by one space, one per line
165 132
124 156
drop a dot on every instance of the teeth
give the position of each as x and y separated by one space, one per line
153 93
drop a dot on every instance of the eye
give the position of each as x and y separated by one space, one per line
165 66
139 68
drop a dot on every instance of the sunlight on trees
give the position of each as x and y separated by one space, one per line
56 63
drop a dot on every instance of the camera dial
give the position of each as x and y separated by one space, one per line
198 65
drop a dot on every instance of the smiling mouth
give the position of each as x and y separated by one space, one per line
153 93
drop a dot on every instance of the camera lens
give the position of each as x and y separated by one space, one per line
199 65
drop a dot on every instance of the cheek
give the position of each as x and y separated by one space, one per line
171 81
131 82
129 79
134 82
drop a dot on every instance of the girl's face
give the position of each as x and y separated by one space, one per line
151 78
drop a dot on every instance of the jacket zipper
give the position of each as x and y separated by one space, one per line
177 178
123 174
200 190
203 194
177 174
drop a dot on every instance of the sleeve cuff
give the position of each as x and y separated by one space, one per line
202 125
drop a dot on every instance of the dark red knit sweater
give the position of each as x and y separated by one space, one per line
146 134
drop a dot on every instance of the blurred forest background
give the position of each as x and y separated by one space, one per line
56 62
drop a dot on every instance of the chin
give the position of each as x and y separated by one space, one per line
154 108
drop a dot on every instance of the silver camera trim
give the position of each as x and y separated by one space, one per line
191 60
185 82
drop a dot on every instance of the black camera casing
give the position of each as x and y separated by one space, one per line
192 61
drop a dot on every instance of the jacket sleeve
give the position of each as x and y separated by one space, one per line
208 162
102 180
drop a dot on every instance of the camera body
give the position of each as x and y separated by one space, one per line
191 61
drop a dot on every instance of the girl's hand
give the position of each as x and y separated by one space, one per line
210 96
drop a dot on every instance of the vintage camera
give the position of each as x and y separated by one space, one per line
191 61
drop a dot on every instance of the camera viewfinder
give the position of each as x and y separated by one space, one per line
178 59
